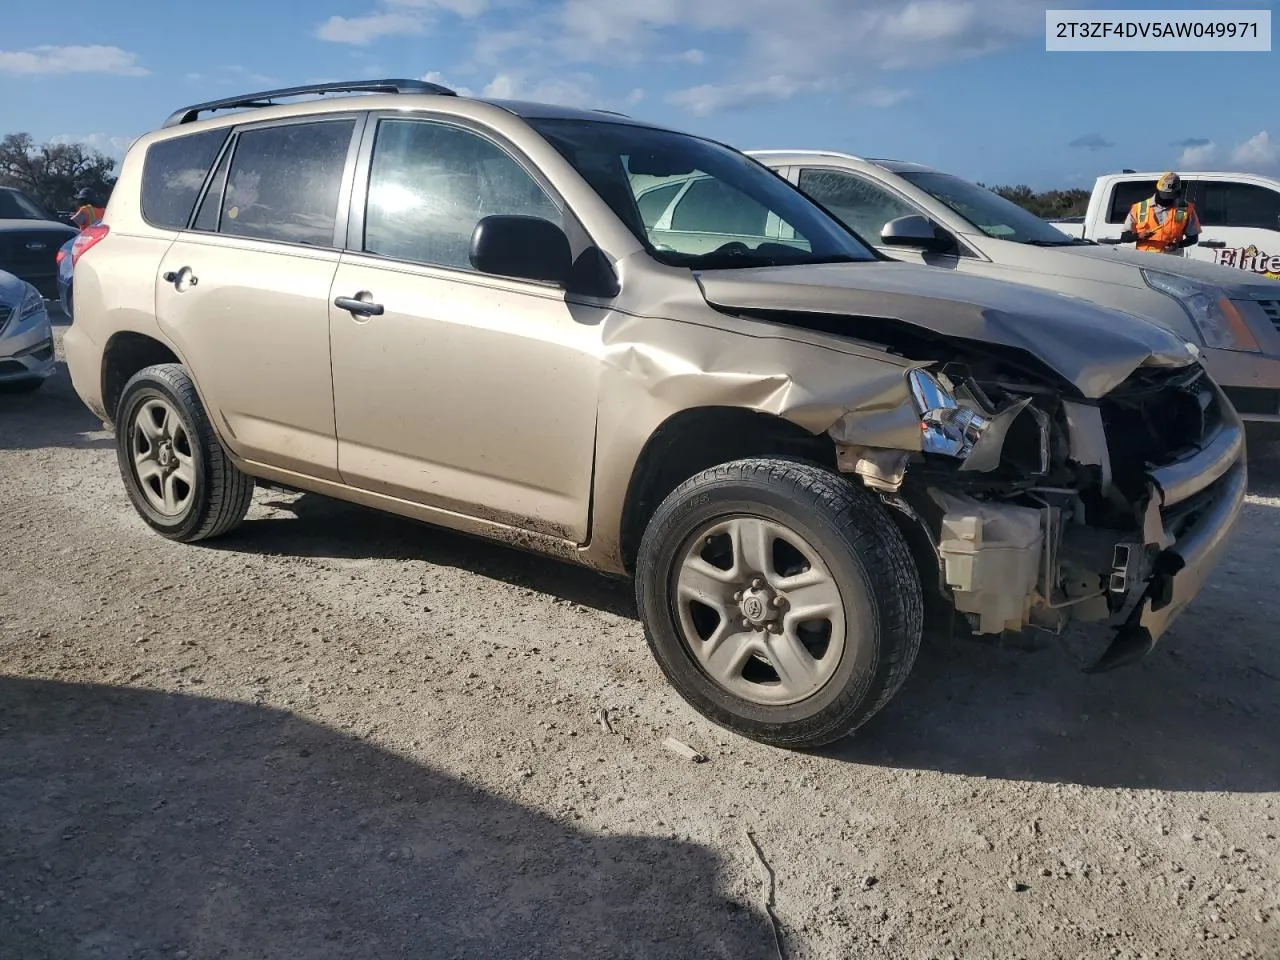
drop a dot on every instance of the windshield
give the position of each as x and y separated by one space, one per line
696 204
15 206
988 211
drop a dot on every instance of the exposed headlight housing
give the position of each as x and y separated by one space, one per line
1210 309
946 427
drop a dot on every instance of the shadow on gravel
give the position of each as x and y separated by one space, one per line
1264 470
1200 713
141 824
322 527
52 416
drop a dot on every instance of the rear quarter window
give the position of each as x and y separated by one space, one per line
173 172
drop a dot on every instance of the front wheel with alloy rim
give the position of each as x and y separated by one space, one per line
780 600
179 478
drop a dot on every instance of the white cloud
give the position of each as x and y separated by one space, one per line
1257 153
231 73
764 51
395 18
569 90
364 30
835 45
1197 156
71 59
713 97
435 76
463 8
884 96
694 57
112 146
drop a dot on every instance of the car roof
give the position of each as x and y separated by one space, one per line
531 110
372 94
787 157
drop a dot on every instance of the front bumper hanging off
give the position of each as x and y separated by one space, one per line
1194 507
1008 566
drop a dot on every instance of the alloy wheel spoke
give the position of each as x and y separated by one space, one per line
728 654
169 487
752 547
147 467
147 424
795 666
810 596
706 584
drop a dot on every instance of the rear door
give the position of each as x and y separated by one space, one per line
1240 225
244 291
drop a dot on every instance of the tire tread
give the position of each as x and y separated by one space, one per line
230 489
863 524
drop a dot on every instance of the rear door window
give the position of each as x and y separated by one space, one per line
1225 204
172 174
283 183
1125 194
863 206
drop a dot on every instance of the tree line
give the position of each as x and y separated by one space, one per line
52 173
1049 205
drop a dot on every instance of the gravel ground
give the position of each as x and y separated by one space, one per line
337 734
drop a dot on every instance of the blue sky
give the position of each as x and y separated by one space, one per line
965 85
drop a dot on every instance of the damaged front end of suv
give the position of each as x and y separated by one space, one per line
1044 506
1053 462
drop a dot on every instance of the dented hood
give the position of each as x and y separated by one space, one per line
1093 347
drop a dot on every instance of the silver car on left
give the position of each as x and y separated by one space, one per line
26 336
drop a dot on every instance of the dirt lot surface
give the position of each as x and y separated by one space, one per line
337 734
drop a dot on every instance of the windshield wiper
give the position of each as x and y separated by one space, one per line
1065 242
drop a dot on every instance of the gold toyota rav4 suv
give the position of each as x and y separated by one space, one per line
488 315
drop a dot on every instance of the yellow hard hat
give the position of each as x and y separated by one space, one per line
1169 183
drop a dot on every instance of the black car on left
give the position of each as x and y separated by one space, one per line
30 237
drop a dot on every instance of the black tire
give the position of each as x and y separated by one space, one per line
22 386
867 557
220 495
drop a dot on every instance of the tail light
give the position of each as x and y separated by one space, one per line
62 255
88 238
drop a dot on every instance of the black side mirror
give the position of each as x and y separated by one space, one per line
529 248
917 232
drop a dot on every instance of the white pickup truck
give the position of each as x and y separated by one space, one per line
1239 216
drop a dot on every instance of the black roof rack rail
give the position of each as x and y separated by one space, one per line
264 98
612 113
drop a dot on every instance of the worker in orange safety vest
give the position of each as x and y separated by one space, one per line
1164 223
88 212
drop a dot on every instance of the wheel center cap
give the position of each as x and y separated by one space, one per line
165 455
757 606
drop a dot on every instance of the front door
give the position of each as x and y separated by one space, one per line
467 392
245 292
1240 226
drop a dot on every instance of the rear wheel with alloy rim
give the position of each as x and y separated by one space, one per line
177 474
780 600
